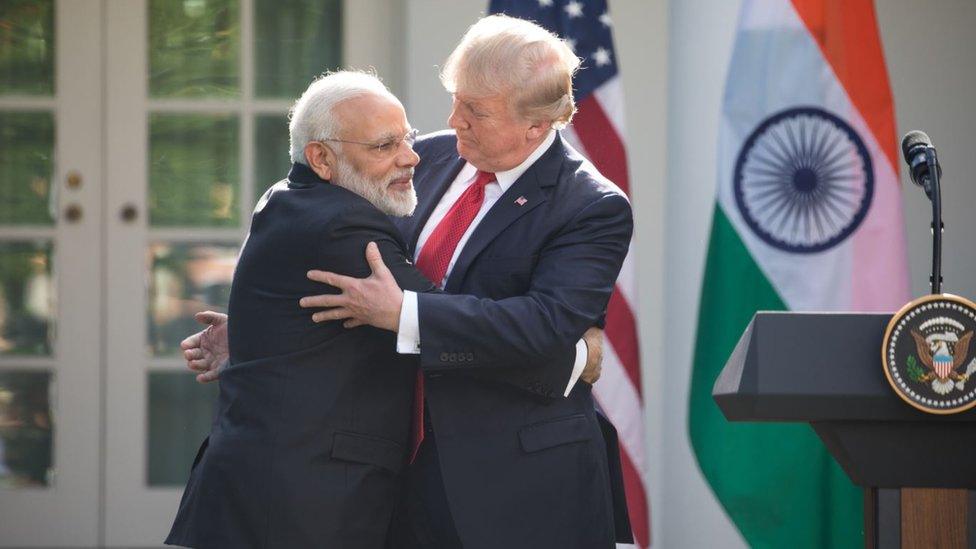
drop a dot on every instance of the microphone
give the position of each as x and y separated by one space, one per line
915 146
923 165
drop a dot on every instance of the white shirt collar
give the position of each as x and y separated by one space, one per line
508 178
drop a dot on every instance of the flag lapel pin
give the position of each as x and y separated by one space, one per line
521 200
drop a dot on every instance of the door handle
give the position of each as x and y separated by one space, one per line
129 213
73 213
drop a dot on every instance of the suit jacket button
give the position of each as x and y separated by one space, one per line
470 357
443 357
453 357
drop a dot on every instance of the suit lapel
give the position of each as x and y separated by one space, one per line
522 197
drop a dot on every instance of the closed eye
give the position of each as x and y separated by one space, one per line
386 146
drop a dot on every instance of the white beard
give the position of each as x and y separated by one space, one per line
397 204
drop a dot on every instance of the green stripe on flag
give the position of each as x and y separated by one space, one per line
776 481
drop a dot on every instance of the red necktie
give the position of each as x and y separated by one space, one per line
433 261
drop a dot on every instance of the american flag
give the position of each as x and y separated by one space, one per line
597 131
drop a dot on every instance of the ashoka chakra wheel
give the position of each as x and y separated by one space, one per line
803 180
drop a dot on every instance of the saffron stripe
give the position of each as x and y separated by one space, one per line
838 24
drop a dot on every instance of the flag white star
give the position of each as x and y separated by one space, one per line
545 3
605 19
574 9
601 57
571 42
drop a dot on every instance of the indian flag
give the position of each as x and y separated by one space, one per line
808 217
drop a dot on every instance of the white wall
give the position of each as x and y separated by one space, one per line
931 53
673 59
702 32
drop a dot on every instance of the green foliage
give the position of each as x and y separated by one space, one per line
295 40
194 171
27 47
26 166
915 372
271 158
194 48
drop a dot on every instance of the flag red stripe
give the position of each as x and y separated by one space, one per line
636 500
622 333
604 147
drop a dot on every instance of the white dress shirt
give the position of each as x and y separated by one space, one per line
408 336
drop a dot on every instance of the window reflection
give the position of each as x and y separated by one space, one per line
26 429
295 40
27 47
194 48
26 298
271 157
194 170
180 414
185 279
26 163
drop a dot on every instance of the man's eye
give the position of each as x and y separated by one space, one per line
386 146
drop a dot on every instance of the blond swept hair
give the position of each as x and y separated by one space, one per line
502 55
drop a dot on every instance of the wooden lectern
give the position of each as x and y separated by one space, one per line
918 470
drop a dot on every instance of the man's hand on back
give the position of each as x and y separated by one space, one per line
207 350
375 300
594 355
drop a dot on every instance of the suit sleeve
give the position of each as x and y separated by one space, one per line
343 243
569 291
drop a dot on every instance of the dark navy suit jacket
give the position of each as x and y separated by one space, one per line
313 420
522 467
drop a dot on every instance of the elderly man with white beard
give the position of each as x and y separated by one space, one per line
313 420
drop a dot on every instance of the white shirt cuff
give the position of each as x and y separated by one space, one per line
578 365
408 336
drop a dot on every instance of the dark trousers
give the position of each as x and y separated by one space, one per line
423 518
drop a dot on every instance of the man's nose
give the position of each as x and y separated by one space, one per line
408 158
456 121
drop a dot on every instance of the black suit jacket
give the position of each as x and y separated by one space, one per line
313 420
522 468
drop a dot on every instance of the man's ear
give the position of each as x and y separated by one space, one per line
321 158
537 130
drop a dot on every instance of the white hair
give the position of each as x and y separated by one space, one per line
312 117
502 55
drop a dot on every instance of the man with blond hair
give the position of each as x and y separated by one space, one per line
514 217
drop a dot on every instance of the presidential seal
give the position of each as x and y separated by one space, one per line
927 354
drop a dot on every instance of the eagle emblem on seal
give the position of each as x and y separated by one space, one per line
943 351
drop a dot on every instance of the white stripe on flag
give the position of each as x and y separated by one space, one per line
621 403
611 97
626 281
